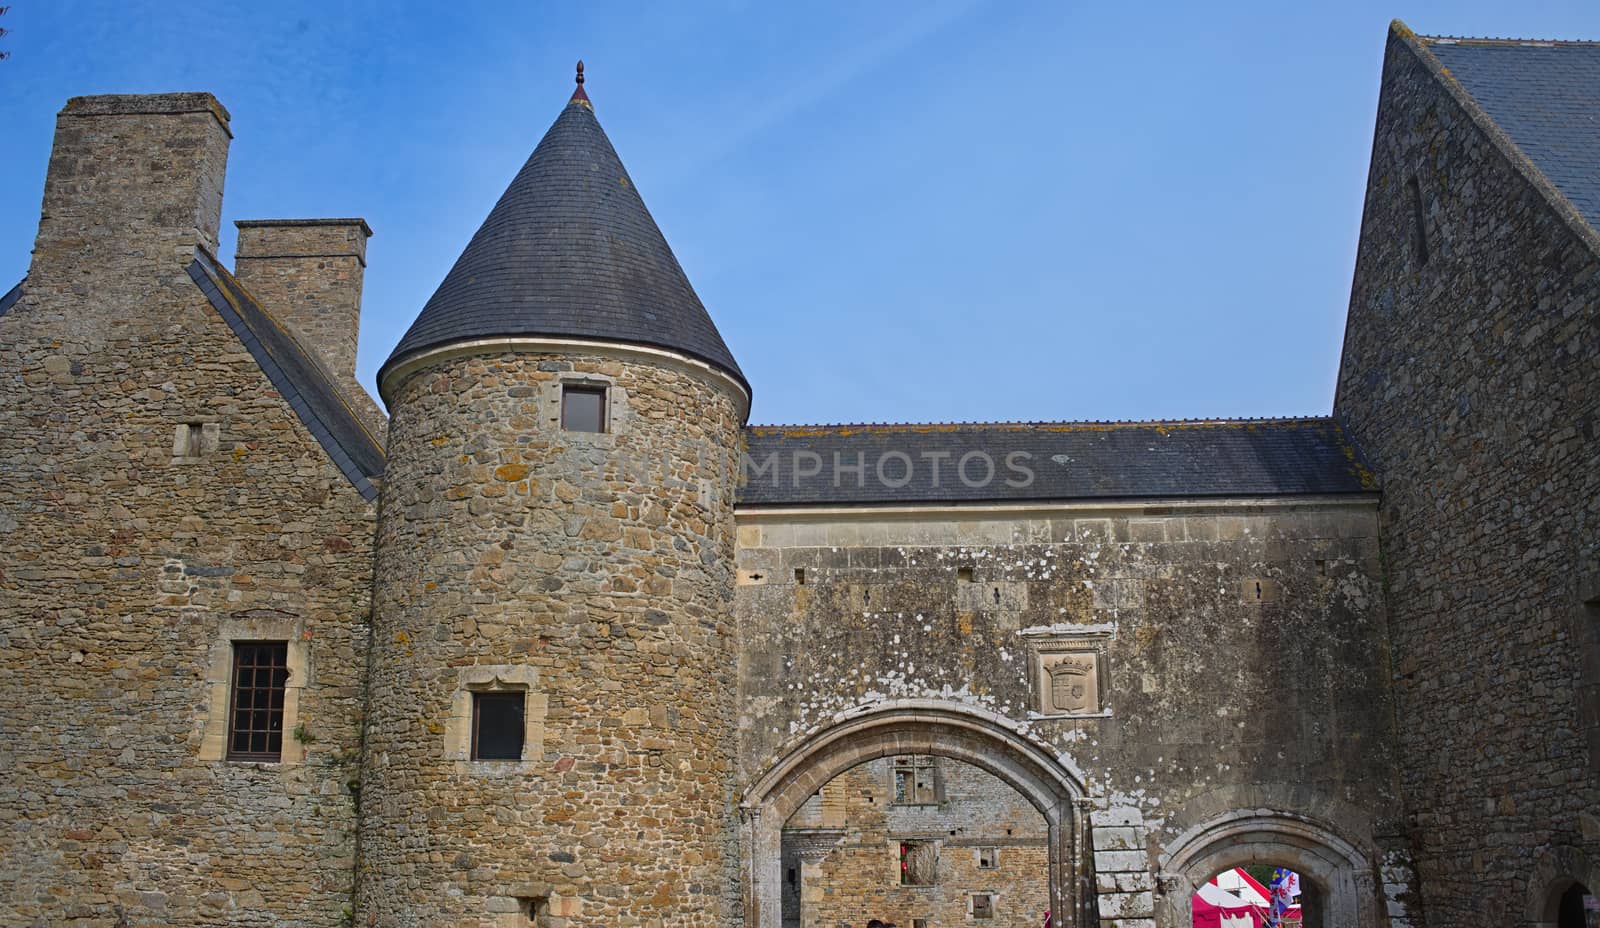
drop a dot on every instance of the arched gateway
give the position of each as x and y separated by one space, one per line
985 741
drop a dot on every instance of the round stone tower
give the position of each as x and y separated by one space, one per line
551 713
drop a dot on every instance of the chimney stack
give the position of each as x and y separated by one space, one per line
307 273
135 181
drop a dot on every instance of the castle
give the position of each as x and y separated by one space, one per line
564 641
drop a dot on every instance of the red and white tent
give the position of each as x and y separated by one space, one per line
1235 899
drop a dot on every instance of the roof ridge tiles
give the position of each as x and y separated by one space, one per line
1507 41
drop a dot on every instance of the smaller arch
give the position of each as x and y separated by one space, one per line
1556 870
919 726
1340 870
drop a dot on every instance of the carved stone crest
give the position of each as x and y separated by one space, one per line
1067 670
1071 683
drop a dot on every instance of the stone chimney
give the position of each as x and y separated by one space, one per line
134 184
307 273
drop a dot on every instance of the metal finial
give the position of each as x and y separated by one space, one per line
580 73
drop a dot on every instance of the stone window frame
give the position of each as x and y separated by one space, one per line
256 625
1052 640
188 447
911 764
972 905
617 420
495 678
898 869
994 856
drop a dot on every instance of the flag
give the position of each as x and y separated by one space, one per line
1284 887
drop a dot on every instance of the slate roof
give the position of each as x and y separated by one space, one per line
299 379
11 297
1067 460
570 251
1546 97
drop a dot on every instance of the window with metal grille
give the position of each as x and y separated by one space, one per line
255 722
497 726
583 409
919 863
916 780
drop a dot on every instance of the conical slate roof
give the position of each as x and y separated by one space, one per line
569 251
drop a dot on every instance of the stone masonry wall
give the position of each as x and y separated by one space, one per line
123 564
859 878
594 573
1244 655
1469 380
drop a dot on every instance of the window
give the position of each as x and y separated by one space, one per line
916 780
583 409
983 905
255 718
988 858
1419 231
919 863
497 726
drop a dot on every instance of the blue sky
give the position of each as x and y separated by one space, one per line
911 211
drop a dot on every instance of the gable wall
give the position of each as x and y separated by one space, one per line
1470 383
119 565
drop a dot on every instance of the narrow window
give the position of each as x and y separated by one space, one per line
497 726
919 862
916 780
1419 232
988 858
255 718
800 576
583 409
919 923
982 905
536 907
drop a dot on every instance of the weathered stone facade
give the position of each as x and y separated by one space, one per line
1469 379
1188 647
1201 712
602 563
125 563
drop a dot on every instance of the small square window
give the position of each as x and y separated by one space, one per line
988 858
919 863
497 726
255 716
982 905
583 409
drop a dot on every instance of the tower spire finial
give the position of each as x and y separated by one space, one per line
578 96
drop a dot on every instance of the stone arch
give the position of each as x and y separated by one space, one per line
1341 871
1555 871
984 740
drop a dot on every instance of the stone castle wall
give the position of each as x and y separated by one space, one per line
1469 380
593 572
859 879
1243 656
126 567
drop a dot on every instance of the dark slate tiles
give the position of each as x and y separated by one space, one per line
570 251
1546 96
1018 462
11 297
302 383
